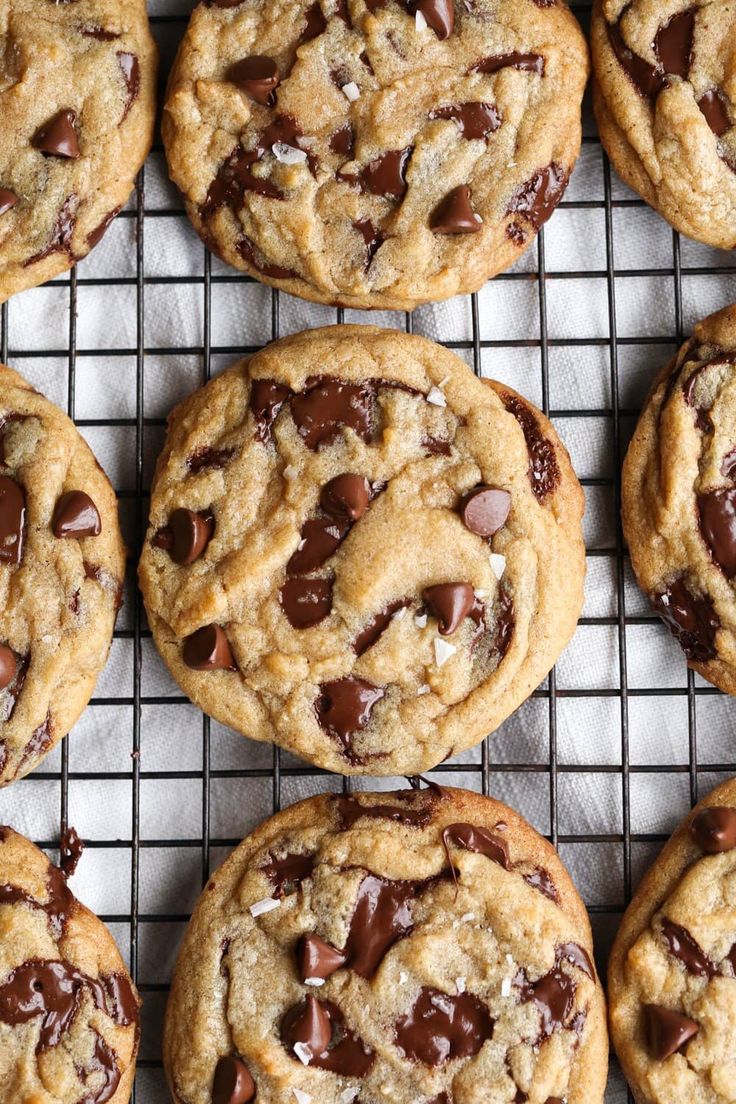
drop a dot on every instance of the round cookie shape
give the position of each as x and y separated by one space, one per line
62 563
410 946
672 971
375 153
350 603
679 498
69 1015
665 102
77 99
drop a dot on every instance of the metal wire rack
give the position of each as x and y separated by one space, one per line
147 934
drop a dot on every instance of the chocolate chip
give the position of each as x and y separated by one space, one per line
341 142
8 666
320 539
207 649
58 137
257 75
480 840
691 619
315 24
76 516
12 520
440 1027
344 1053
306 602
323 409
373 630
717 511
667 1031
439 14
190 533
531 63
318 959
344 706
450 603
455 214
484 509
715 107
130 70
537 198
287 873
673 43
714 829
477 120
232 1083
266 399
385 175
346 497
8 199
683 947
307 1023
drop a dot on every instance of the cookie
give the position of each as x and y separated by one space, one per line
672 971
61 574
68 1009
665 101
361 552
375 153
77 100
679 498
419 946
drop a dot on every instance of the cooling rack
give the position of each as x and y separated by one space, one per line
605 756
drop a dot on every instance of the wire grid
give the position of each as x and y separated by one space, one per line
131 926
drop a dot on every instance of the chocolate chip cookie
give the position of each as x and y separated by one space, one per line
77 102
679 498
419 946
665 100
61 571
361 552
672 974
68 1009
375 153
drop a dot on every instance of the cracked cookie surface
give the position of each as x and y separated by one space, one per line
68 1009
672 972
665 101
334 957
375 153
679 498
361 552
77 100
62 563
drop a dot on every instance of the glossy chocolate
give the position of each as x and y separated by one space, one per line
62 232
288 873
344 707
450 603
257 75
307 1024
8 666
385 175
322 410
692 620
544 471
131 73
715 106
440 1027
553 994
673 43
12 520
342 141
439 14
683 947
372 237
320 539
58 136
206 458
714 829
541 880
375 628
315 23
479 840
208 649
484 509
667 1031
305 601
75 516
186 536
317 959
70 849
232 1083
382 915
409 812
475 119
253 256
537 198
530 63
95 236
8 199
455 213
717 513
266 400
346 497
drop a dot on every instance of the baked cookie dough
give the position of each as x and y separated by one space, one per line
419 946
665 101
68 1009
672 972
77 103
62 562
374 153
679 498
361 552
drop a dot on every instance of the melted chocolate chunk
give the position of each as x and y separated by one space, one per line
48 989
288 873
484 509
232 1083
40 741
455 213
206 457
450 603
385 175
12 520
346 497
381 917
714 829
476 120
505 623
537 198
8 199
647 79
186 536
691 620
61 233
372 237
323 409
342 141
320 539
318 959
673 44
71 848
58 136
576 956
8 666
208 649
667 1031
131 73
58 906
266 400
440 1027
350 810
92 30
375 628
540 879
683 947
315 23
544 471
306 602
439 14
234 178
530 63
344 1053
252 256
6 420
344 707
717 511
257 75
715 106
553 994
435 446
75 516
95 236
479 840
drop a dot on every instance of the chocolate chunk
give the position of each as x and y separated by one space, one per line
12 520
435 446
715 107
315 24
8 199
320 539
683 947
342 12
323 409
95 236
480 840
252 256
667 1031
714 829
306 602
344 1053
266 399
232 1083
257 75
717 511
537 198
224 3
553 994
484 509
344 707
372 237
647 79
576 956
208 649
544 471
130 70
505 623
541 880
288 873
8 666
385 175
455 214
62 232
440 1027
350 809
48 990
205 458
439 14
530 63
75 516
58 137
341 142
382 915
450 603
373 630
93 30
691 620
123 1004
673 44
234 178
70 848
346 497
307 1023
190 534
318 959
477 120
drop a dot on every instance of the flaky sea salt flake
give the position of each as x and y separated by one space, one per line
288 155
498 564
442 651
301 1097
436 397
268 904
351 91
420 21
303 1053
